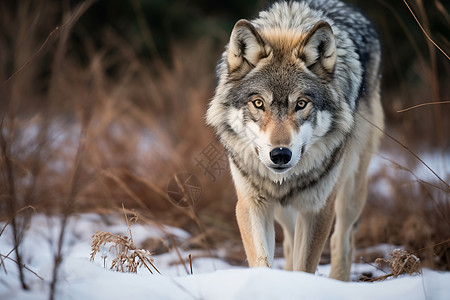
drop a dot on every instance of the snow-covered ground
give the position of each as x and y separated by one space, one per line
213 278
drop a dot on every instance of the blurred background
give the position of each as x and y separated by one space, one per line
103 103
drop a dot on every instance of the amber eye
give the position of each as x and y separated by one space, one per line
259 104
301 104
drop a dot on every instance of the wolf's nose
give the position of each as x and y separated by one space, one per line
280 155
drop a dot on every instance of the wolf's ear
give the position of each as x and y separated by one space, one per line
318 50
245 49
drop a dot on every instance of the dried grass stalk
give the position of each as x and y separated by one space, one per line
128 258
402 262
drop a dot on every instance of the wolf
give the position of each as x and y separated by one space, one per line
296 101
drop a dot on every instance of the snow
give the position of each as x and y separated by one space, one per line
213 278
437 161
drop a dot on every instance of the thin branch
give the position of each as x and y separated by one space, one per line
31 58
424 32
423 104
425 184
2 263
190 263
406 148
380 278
128 223
22 266
11 203
432 246
145 29
4 227
407 32
421 181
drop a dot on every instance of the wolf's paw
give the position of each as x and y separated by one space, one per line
262 261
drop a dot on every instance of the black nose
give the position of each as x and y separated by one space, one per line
280 155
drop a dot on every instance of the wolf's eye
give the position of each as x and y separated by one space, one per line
301 104
259 104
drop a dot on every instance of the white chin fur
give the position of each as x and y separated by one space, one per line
302 139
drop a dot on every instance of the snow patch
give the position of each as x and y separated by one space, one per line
213 278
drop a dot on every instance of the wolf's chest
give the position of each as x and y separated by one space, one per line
307 190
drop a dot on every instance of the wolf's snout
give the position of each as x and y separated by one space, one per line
280 155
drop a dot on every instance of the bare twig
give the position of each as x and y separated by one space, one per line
146 32
4 227
2 263
11 202
423 104
67 211
421 181
78 12
424 32
128 223
424 183
31 58
406 148
442 10
22 266
407 32
432 246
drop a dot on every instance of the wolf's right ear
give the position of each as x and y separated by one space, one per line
245 49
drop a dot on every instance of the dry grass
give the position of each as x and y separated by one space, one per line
127 257
401 262
89 132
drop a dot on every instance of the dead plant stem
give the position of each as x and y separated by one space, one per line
69 203
434 79
23 266
423 104
424 32
31 58
128 223
407 149
11 204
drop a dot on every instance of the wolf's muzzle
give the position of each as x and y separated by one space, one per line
280 155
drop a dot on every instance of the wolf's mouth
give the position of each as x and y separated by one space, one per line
279 169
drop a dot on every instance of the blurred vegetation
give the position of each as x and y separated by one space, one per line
152 27
174 21
102 104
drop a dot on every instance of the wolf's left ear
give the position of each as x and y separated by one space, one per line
245 49
318 50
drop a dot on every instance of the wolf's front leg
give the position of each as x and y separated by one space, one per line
311 232
256 224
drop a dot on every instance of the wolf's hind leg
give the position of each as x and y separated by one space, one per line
286 216
256 224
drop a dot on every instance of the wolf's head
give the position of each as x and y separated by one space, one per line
276 95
